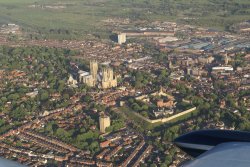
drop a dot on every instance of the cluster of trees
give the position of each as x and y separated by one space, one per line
168 134
4 126
82 137
141 79
117 121
183 90
47 66
239 61
166 159
162 78
116 125
52 33
81 134
59 31
139 106
171 133
154 79
161 57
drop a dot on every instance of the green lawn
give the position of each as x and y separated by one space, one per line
144 125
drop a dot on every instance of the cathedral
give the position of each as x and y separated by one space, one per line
103 78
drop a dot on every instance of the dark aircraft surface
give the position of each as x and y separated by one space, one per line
216 148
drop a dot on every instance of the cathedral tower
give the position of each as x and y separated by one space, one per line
93 69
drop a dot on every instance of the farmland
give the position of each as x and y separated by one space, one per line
76 18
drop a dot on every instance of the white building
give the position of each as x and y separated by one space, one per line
221 68
71 81
121 38
104 122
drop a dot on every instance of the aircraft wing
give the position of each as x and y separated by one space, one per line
224 155
9 163
216 148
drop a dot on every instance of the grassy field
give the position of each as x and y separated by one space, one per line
149 126
85 16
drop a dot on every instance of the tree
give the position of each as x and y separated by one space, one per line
197 101
136 107
153 165
145 114
94 146
62 134
44 95
66 96
86 98
13 96
17 114
2 122
205 106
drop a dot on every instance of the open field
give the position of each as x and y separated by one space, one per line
76 18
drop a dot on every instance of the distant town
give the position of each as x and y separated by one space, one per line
122 101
